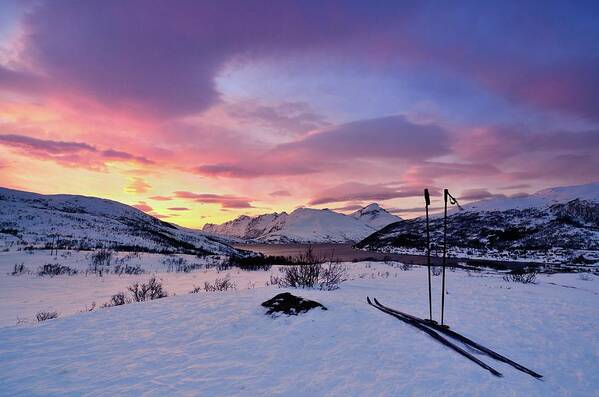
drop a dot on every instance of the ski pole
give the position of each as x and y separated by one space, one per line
427 201
445 194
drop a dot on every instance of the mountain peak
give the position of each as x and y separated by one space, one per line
373 207
375 216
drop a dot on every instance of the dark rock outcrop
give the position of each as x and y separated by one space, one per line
290 304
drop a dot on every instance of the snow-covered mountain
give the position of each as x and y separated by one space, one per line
550 225
79 222
375 216
306 225
542 198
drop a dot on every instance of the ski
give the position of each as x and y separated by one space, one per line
436 336
464 340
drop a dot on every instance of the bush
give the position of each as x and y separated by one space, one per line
18 269
55 270
223 284
310 272
523 276
332 275
43 316
117 299
147 291
128 269
101 258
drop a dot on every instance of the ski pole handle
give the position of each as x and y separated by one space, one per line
427 198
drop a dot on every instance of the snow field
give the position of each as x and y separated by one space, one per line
214 344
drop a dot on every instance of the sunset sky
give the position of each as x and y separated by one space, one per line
200 111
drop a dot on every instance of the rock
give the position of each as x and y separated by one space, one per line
290 304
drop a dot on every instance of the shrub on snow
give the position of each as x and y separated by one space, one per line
147 291
43 316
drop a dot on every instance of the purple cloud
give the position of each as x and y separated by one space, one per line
478 194
42 145
254 169
386 137
354 191
72 154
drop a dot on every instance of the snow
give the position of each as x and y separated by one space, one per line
542 198
375 216
222 343
36 220
305 225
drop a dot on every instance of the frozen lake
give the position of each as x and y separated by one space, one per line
347 253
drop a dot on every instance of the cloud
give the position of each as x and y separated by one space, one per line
226 201
478 194
280 193
46 146
350 207
163 60
253 169
179 209
143 206
137 185
124 156
513 187
72 154
385 137
161 216
355 191
160 198
287 118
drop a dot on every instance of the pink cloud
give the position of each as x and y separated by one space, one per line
160 198
280 193
226 201
137 185
143 206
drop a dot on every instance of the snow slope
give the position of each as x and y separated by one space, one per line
71 221
306 225
222 344
553 225
375 216
542 198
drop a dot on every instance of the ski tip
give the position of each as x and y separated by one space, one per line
368 300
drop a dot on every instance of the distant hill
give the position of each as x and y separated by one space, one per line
79 222
551 225
306 225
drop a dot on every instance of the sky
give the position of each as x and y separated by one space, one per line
199 111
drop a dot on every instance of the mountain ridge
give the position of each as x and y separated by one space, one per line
306 225
33 220
551 225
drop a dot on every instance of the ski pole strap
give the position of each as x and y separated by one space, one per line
452 200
